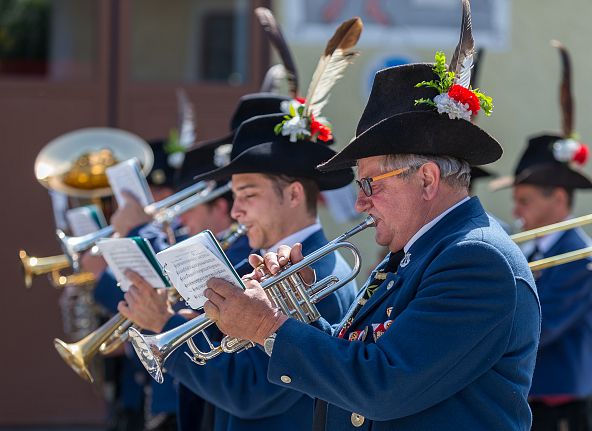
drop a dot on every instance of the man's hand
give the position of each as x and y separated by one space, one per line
129 216
271 263
94 264
144 305
246 314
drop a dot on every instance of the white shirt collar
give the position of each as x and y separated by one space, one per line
292 239
429 225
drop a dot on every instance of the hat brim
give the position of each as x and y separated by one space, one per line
549 175
425 133
295 160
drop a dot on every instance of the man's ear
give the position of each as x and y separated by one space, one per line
295 194
429 174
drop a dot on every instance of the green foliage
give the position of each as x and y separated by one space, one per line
446 78
172 144
485 101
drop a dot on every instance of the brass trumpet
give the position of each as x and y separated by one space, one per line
286 290
109 336
555 227
34 266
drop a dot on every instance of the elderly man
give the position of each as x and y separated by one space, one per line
445 332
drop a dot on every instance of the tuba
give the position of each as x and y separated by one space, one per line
286 290
114 332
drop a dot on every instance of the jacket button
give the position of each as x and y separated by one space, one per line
390 285
357 420
286 379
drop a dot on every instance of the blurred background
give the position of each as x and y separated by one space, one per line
69 64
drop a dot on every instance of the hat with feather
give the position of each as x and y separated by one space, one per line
170 153
552 159
294 142
425 109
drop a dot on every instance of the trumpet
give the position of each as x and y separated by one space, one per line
559 259
163 211
114 332
33 266
286 290
52 265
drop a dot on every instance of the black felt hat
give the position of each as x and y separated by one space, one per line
539 165
249 105
198 160
258 149
392 123
162 173
550 159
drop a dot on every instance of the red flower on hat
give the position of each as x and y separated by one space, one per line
465 96
320 130
581 155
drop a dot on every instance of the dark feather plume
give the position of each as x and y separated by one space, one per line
477 59
462 60
565 96
273 79
337 56
276 38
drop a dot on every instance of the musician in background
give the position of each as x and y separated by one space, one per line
276 187
153 309
444 334
130 220
544 187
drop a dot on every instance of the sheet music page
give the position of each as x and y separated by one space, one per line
191 263
124 253
81 221
128 176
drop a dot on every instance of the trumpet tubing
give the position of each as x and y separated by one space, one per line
77 279
34 266
286 289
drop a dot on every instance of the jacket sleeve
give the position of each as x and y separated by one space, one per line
456 327
565 300
237 383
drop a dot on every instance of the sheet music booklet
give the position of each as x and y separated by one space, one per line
187 265
128 176
86 219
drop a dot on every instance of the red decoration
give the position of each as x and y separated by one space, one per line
581 155
301 100
318 129
465 96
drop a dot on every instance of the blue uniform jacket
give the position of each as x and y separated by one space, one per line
108 294
236 384
564 361
450 339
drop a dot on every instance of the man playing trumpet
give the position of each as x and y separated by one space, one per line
444 333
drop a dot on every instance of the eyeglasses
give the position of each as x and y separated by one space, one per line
366 183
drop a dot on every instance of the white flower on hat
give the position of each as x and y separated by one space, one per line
455 109
222 155
295 127
565 149
175 160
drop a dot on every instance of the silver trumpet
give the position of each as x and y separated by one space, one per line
163 211
286 290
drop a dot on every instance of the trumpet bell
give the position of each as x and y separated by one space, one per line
75 163
73 355
151 353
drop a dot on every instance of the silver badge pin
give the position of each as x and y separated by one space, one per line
405 261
